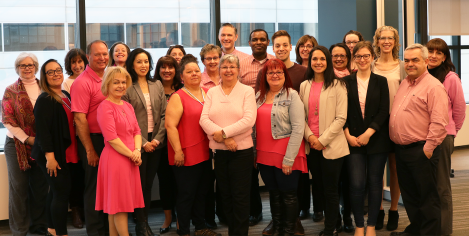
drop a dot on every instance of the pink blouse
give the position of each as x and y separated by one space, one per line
313 113
151 123
362 89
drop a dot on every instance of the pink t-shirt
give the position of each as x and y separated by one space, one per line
86 96
151 123
313 113
362 89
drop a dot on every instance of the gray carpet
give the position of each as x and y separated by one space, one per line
460 186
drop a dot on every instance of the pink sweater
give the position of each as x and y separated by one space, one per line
235 114
457 103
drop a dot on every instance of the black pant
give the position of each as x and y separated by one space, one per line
417 177
304 196
192 189
344 194
57 199
77 176
317 188
210 200
275 179
329 172
96 221
150 162
167 184
255 196
233 171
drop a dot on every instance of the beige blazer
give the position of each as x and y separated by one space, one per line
332 117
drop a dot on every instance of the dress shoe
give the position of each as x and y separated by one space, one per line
380 221
40 230
206 232
254 220
76 218
299 230
349 228
318 216
335 233
393 220
211 224
165 230
401 234
269 230
304 214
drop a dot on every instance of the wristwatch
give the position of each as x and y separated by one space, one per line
223 134
138 149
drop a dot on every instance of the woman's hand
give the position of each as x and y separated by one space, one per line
286 169
318 146
312 139
138 162
31 140
179 158
148 147
363 139
52 165
231 144
136 154
353 141
218 136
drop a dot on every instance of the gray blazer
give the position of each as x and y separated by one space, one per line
135 97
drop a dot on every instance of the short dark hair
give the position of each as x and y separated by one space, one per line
186 59
169 60
302 41
360 36
228 25
364 44
129 64
347 53
88 48
168 53
440 45
76 52
259 30
281 33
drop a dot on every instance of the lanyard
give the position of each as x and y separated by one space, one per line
203 96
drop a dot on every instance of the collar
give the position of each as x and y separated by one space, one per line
92 74
206 78
416 81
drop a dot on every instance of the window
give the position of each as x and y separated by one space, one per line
151 35
108 32
34 37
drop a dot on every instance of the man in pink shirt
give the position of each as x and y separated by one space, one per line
417 125
228 35
86 96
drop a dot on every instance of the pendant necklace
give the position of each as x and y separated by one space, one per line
203 95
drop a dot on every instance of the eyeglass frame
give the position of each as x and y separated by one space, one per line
29 66
359 57
55 72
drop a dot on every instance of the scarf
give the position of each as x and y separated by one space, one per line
438 72
341 73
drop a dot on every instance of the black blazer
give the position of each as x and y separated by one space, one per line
52 131
376 114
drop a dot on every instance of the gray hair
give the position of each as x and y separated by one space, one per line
423 49
229 58
23 56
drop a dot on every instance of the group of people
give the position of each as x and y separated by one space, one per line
96 140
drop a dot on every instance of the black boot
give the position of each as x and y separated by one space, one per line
143 229
276 211
290 211
380 221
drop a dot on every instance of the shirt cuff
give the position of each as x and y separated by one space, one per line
157 142
428 148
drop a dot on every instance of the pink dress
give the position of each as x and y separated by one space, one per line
118 188
271 151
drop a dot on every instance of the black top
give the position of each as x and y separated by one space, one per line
52 131
376 114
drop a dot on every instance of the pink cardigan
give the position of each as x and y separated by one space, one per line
235 114
457 103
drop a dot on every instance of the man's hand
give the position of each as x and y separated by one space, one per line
428 154
148 147
93 158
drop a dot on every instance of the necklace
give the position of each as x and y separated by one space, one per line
203 95
69 102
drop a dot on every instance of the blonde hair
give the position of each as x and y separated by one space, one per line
397 45
111 73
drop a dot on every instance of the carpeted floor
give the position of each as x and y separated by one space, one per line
460 187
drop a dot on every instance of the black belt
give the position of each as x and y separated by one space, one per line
96 134
412 145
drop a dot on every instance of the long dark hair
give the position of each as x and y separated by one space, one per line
170 49
129 64
440 45
264 86
44 84
329 75
169 60
347 53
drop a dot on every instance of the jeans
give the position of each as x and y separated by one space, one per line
363 168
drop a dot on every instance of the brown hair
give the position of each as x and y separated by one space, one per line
44 84
208 48
397 45
281 33
302 41
363 44
360 36
111 53
76 52
440 45
229 25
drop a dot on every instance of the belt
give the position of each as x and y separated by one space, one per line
96 134
412 145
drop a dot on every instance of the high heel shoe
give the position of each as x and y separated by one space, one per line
165 230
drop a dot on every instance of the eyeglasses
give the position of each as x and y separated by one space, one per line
52 72
212 58
386 38
359 57
337 56
226 68
307 46
29 66
279 73
351 42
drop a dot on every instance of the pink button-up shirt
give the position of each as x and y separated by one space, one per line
457 105
249 69
419 112
206 82
239 54
86 96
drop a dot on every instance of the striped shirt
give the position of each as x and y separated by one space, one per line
206 82
249 68
239 54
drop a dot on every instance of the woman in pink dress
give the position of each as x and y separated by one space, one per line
281 156
118 190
